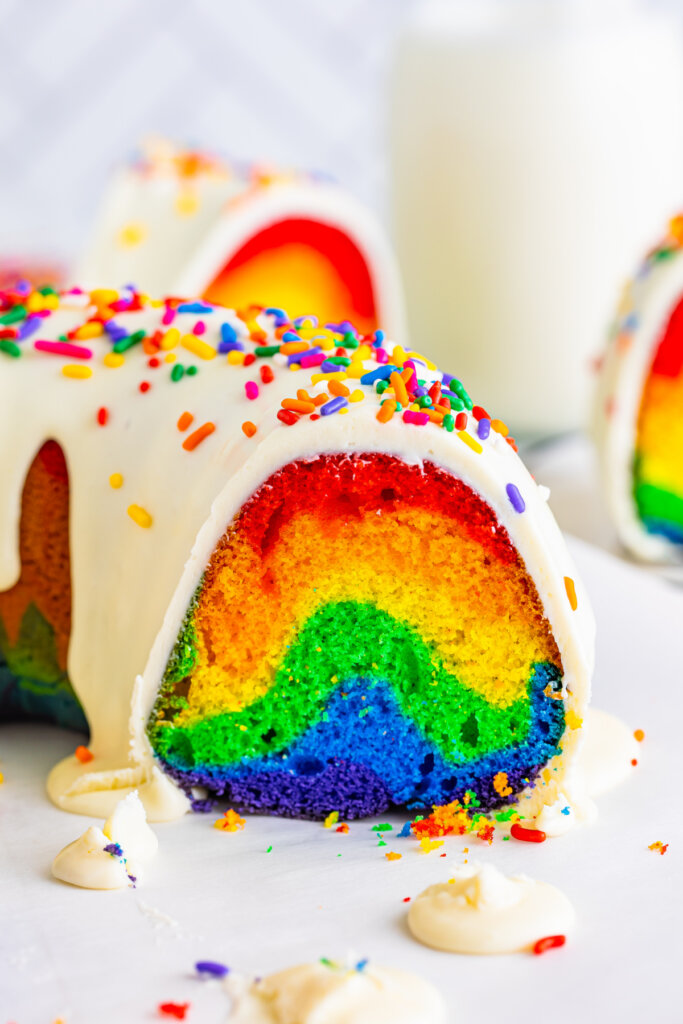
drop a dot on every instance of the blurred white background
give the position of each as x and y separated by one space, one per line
83 81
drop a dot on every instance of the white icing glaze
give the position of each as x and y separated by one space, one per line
320 994
119 646
605 757
182 253
645 307
87 863
481 910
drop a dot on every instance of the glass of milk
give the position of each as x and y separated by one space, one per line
537 150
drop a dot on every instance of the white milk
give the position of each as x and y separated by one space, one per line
537 149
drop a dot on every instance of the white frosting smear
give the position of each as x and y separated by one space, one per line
604 760
480 910
112 857
320 993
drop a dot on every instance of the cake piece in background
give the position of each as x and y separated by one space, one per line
638 416
308 573
186 222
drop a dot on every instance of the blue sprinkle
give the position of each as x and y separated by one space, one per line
362 964
114 849
565 810
334 405
379 338
405 831
290 336
381 373
216 970
194 307
516 499
484 428
228 333
631 322
276 311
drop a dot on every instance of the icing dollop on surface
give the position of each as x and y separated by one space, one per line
480 910
112 857
326 993
605 758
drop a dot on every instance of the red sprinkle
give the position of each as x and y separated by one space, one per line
527 835
288 417
634 761
153 363
83 755
145 386
406 899
177 1010
461 421
479 413
549 942
249 359
102 416
267 374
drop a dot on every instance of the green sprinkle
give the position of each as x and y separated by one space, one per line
505 838
192 371
448 422
425 402
266 350
269 849
10 348
381 843
339 360
123 344
47 289
384 827
177 372
381 386
13 315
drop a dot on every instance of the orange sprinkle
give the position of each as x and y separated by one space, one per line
184 420
335 387
659 847
321 399
249 428
639 735
198 435
435 415
83 755
571 592
297 406
343 828
500 784
500 427
398 384
289 348
230 822
303 395
393 856
386 411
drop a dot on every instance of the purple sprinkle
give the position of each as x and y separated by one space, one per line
446 378
296 357
251 390
230 346
29 327
334 405
420 392
329 367
211 967
114 849
309 318
484 429
516 499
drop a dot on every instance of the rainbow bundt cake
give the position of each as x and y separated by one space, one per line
639 426
189 222
277 560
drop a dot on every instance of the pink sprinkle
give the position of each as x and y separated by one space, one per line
63 348
168 317
418 418
199 327
381 355
251 389
411 383
314 360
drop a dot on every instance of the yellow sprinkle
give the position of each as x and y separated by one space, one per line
317 377
398 356
470 442
170 357
236 358
331 819
342 412
2 778
197 347
356 396
170 338
573 720
114 360
34 303
140 516
89 330
132 234
77 372
103 296
355 371
186 203
427 844
418 355
116 481
362 352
